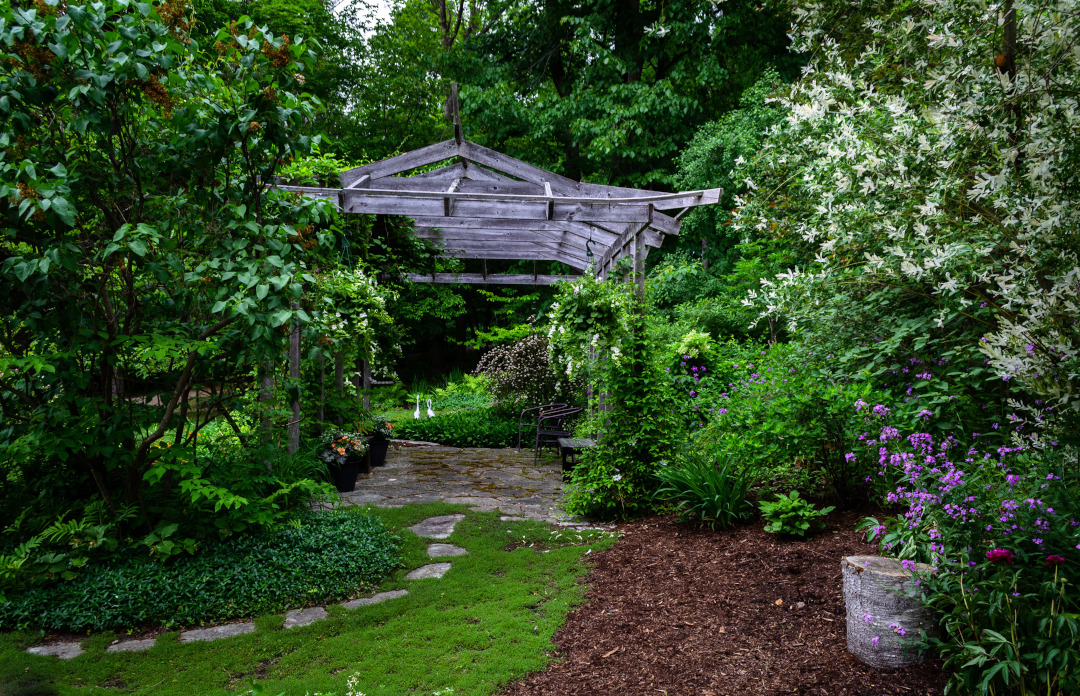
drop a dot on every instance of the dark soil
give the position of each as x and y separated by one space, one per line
678 610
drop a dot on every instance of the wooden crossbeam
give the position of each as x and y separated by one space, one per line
511 250
490 279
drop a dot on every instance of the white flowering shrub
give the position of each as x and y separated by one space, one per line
928 167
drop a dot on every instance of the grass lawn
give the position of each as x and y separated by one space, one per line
489 620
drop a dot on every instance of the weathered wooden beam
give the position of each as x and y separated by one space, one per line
581 229
616 249
535 254
371 203
401 163
498 236
507 247
515 167
433 185
491 279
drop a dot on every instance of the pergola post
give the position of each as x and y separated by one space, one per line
294 373
366 376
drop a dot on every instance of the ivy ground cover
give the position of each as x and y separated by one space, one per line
488 621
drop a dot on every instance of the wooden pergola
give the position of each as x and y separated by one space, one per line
486 205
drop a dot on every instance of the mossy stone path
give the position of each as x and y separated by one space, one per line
506 480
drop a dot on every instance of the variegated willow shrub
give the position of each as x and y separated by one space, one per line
999 526
927 171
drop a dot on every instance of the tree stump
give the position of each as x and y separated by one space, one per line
881 599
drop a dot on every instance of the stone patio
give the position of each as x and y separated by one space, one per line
487 479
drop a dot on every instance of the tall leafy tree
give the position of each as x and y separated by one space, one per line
140 253
611 90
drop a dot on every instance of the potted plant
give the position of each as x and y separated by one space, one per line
381 433
344 455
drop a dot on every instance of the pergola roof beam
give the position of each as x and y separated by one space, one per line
489 279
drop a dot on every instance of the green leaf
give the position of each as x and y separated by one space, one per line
138 247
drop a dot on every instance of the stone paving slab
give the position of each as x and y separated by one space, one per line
504 480
216 632
303 617
64 651
439 527
375 599
443 550
132 645
431 570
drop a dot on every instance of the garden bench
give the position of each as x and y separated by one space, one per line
571 447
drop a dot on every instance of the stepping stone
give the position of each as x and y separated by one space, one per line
441 550
217 632
64 651
302 617
132 645
375 599
439 527
431 570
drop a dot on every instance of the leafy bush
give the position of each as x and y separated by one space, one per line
618 478
790 515
469 391
484 427
778 408
713 492
999 526
317 557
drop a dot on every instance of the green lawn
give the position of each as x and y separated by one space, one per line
488 621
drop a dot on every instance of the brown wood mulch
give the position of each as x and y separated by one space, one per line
673 609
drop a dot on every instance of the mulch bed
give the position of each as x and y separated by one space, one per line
678 610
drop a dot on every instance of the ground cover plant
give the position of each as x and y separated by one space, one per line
482 427
489 620
309 558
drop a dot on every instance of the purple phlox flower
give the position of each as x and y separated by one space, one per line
721 410
908 564
849 457
868 618
875 640
1037 542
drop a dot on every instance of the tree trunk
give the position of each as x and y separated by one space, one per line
880 595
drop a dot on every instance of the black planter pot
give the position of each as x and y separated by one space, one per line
377 452
344 476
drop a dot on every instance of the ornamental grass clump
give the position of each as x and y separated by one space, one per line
1000 529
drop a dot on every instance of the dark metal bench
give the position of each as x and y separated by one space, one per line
571 447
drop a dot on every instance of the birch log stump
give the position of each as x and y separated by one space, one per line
881 599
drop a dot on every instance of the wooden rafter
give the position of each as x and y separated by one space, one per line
488 205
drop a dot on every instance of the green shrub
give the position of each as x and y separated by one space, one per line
483 427
790 515
713 492
316 557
